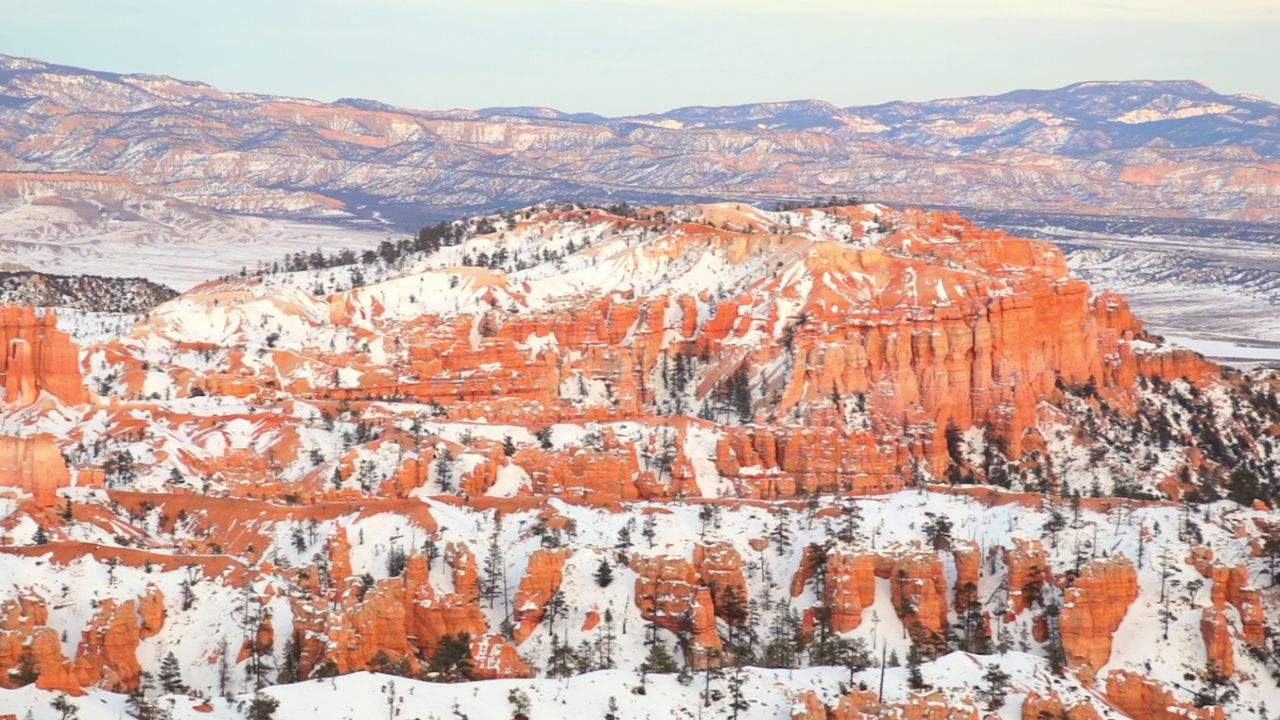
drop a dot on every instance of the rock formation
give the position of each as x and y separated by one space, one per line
1028 571
1142 698
1216 631
669 593
35 465
38 358
1093 609
540 583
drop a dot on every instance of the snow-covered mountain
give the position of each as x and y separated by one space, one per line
702 460
78 224
1136 148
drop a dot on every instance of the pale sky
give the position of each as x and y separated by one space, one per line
620 57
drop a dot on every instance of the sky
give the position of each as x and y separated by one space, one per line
618 57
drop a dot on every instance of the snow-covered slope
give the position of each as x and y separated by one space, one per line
754 453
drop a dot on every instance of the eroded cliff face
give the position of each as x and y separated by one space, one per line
846 349
1093 609
578 438
38 358
34 465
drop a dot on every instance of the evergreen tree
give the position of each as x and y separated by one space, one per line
650 529
139 703
854 656
1053 525
292 659
171 675
780 536
65 708
555 609
25 673
914 677
262 707
40 537
188 595
938 530
623 546
739 393
452 661
491 583
562 660
397 561
658 661
850 521
737 698
1054 649
604 573
997 686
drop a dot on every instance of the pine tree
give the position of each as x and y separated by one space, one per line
397 561
1054 649
650 529
914 677
262 707
139 702
188 595
40 537
604 573
452 661
171 675
623 546
938 530
658 661
737 698
997 686
850 521
25 673
491 581
556 608
781 533
740 393
65 708
1053 525
562 660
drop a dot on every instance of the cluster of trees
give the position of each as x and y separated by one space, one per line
1238 454
817 202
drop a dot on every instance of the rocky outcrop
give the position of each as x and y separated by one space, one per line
541 581
669 593
38 358
1028 570
1231 585
151 613
34 465
1142 698
25 637
493 657
396 620
466 576
1093 609
849 589
1216 631
918 587
968 559
719 567
109 645
1051 707
864 705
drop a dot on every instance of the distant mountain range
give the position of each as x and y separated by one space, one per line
1128 148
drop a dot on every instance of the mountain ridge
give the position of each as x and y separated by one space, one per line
1148 147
